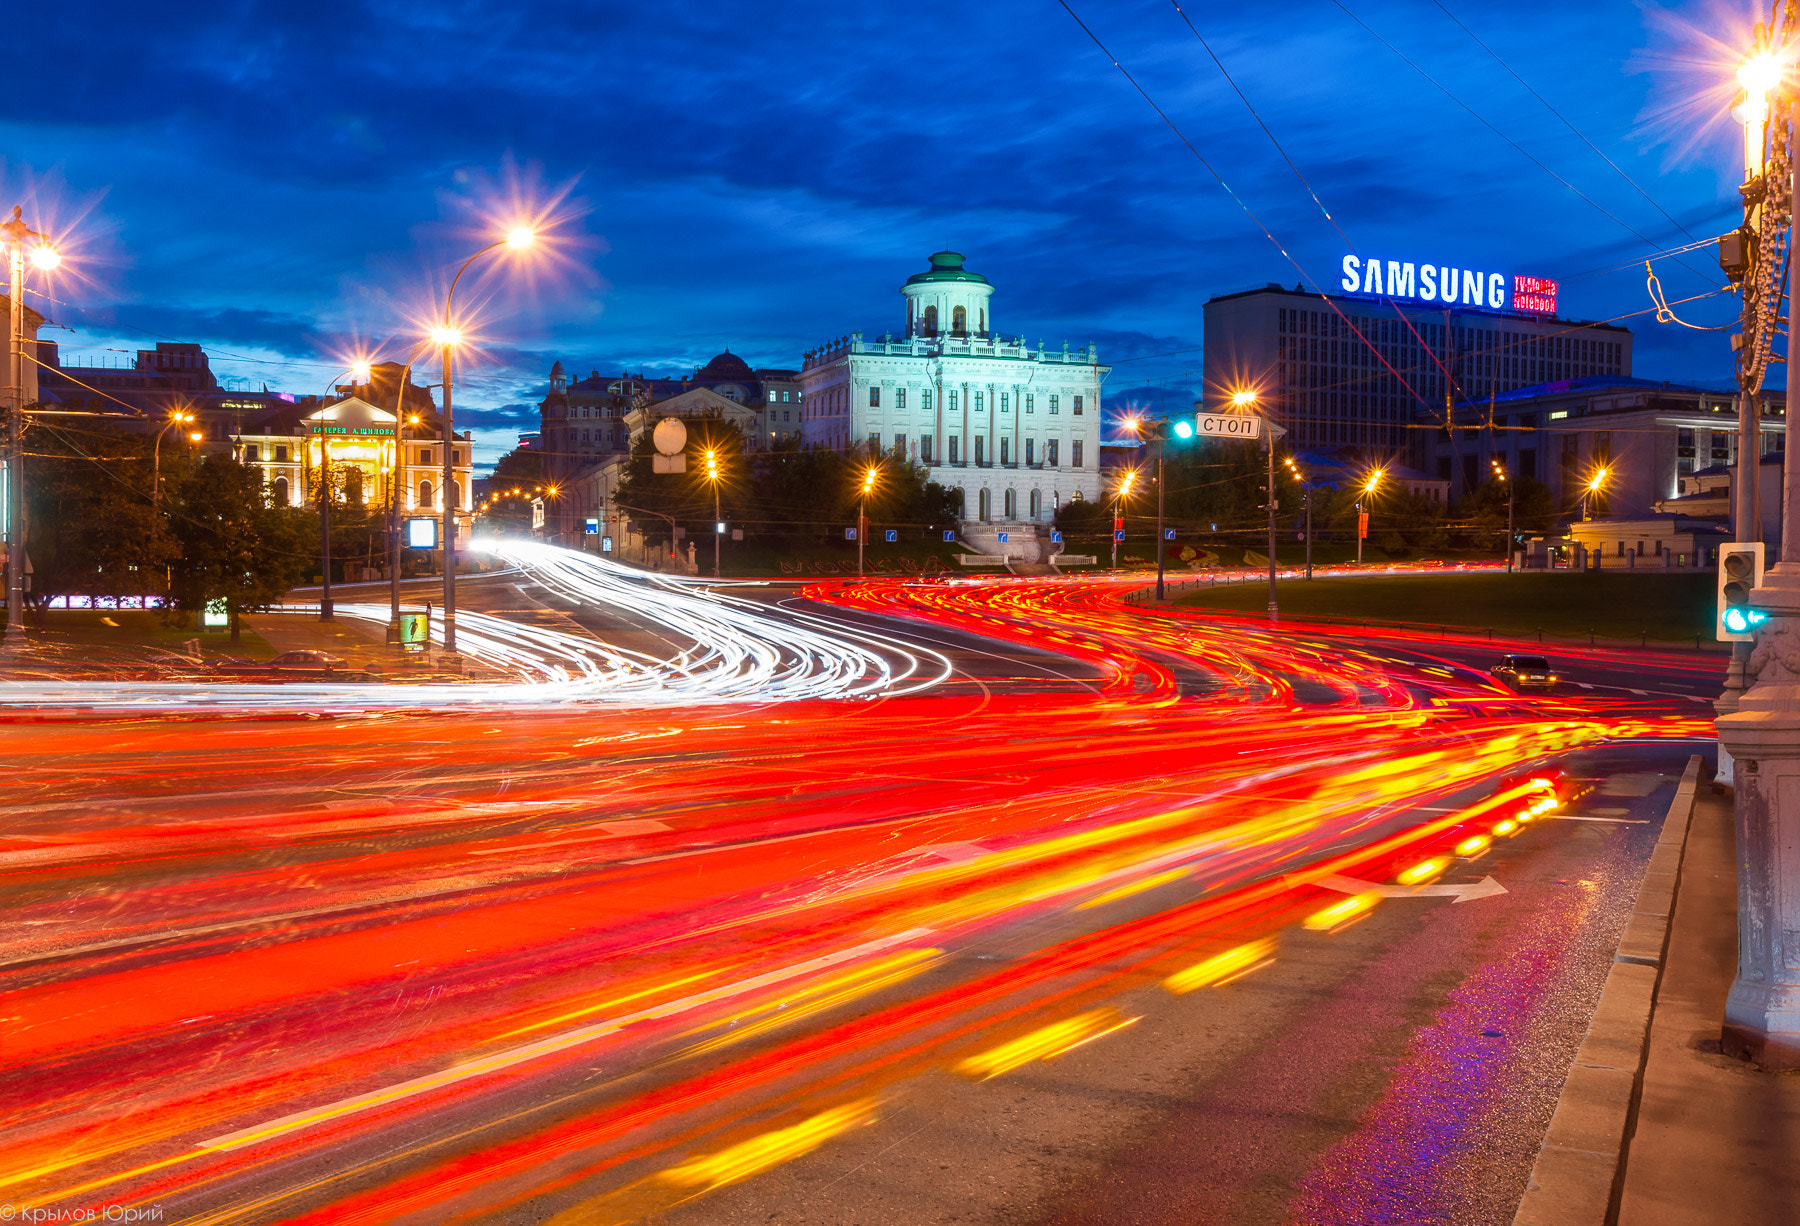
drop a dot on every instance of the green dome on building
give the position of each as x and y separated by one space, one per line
946 266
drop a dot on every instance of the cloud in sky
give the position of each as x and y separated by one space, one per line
284 183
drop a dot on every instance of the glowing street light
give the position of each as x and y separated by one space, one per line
177 418
1243 398
862 517
520 237
1595 485
1369 487
712 475
1122 496
1500 476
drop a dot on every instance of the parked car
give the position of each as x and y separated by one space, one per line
1525 672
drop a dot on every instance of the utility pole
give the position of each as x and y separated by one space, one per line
1762 734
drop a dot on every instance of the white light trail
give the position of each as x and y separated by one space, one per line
736 650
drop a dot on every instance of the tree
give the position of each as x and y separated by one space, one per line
90 530
234 545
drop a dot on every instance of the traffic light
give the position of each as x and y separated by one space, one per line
1166 430
1740 572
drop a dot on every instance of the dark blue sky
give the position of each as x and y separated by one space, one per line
274 180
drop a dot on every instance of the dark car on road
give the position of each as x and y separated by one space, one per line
1525 672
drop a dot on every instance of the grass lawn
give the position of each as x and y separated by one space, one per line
1610 604
142 629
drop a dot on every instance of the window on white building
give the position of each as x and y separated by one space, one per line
281 454
1037 503
953 402
874 397
1075 454
1077 406
281 491
955 440
899 398
1031 451
1005 451
925 400
900 445
980 450
425 499
771 395
925 449
1012 505
424 455
959 322
1053 406
980 401
1050 452
1030 403
1005 403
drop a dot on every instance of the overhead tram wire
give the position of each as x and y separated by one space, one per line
1600 153
1232 81
1248 211
1490 126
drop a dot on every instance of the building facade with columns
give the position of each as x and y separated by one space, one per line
1015 429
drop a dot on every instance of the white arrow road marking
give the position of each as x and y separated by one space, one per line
1460 891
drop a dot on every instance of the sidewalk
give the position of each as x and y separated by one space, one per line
1654 1126
1716 1139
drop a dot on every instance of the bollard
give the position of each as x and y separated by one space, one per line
1540 634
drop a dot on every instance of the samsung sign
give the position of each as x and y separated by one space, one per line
1465 287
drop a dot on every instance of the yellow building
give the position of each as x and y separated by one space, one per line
292 446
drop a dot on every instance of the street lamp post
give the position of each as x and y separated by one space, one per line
1500 475
1759 733
1368 492
17 236
175 419
446 337
1306 496
359 373
1120 501
862 515
712 475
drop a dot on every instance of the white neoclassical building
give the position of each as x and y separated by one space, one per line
1015 429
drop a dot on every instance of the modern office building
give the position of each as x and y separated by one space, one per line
1651 438
1368 369
1015 429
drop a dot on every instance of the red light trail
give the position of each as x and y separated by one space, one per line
604 961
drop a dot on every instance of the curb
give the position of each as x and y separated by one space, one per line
1581 1166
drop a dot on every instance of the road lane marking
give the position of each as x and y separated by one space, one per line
1623 821
1487 887
512 1056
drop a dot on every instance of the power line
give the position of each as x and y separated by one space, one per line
1229 80
1490 126
1565 122
1248 211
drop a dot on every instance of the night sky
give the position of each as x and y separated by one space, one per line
285 183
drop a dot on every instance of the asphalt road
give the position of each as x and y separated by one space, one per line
1402 1070
891 960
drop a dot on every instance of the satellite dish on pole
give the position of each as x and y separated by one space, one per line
670 436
